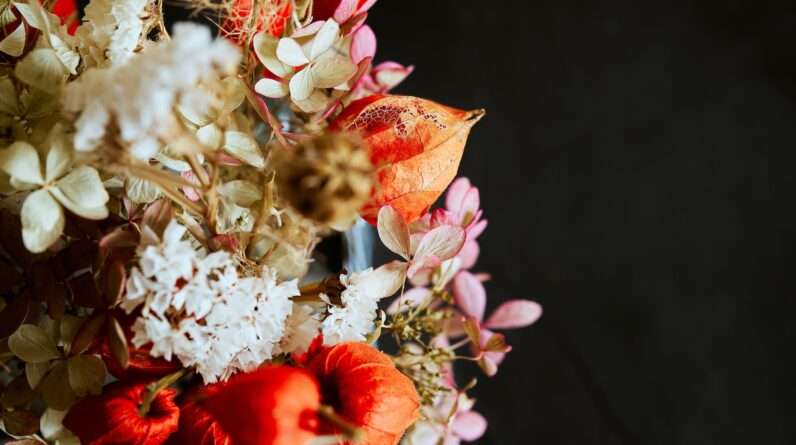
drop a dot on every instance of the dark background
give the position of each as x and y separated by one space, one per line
636 167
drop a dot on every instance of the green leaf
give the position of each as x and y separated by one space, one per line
86 374
32 344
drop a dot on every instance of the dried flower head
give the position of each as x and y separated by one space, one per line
326 179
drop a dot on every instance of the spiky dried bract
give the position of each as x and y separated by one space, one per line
326 179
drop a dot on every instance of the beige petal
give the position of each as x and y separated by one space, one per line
68 56
82 192
14 44
265 48
21 161
42 221
33 14
59 158
8 97
240 192
324 39
332 69
301 85
244 148
271 88
210 136
42 69
141 191
235 94
289 51
315 103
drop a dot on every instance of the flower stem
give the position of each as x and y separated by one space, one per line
351 432
154 388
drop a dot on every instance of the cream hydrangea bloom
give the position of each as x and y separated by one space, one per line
306 63
54 186
110 31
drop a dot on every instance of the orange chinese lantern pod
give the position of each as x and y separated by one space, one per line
274 405
197 425
364 387
272 16
113 418
66 10
415 144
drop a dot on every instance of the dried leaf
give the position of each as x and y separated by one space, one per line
393 231
497 343
42 69
118 343
17 394
21 422
114 279
32 344
14 314
56 302
87 333
54 388
84 291
119 237
416 144
86 374
70 326
35 372
158 215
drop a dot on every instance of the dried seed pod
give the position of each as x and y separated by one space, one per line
326 179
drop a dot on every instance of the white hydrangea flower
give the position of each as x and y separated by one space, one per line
140 96
301 328
354 321
110 31
197 308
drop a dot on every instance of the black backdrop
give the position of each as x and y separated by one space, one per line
636 166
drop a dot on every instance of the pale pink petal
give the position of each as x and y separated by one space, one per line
411 298
423 263
345 10
443 242
469 295
514 314
456 193
488 365
366 6
356 22
475 230
308 30
393 231
469 425
289 52
190 192
471 202
469 254
363 44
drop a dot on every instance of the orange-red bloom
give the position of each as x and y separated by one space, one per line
113 418
272 17
364 387
274 405
415 144
197 425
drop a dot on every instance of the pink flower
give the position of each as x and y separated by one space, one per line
340 10
381 79
490 347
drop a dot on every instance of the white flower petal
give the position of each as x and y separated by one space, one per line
21 161
42 69
82 192
289 51
59 159
241 192
243 147
302 85
271 88
42 221
324 39
332 69
210 136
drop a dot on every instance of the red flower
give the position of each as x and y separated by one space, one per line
197 425
273 17
274 405
113 418
363 387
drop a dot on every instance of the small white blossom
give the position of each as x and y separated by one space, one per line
354 321
301 328
197 308
140 96
110 31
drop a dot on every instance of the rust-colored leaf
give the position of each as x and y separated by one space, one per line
416 146
77 256
118 343
18 393
84 291
14 314
114 277
158 215
119 237
56 302
87 333
21 422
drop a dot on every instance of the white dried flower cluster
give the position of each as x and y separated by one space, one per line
354 321
197 308
140 96
111 31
